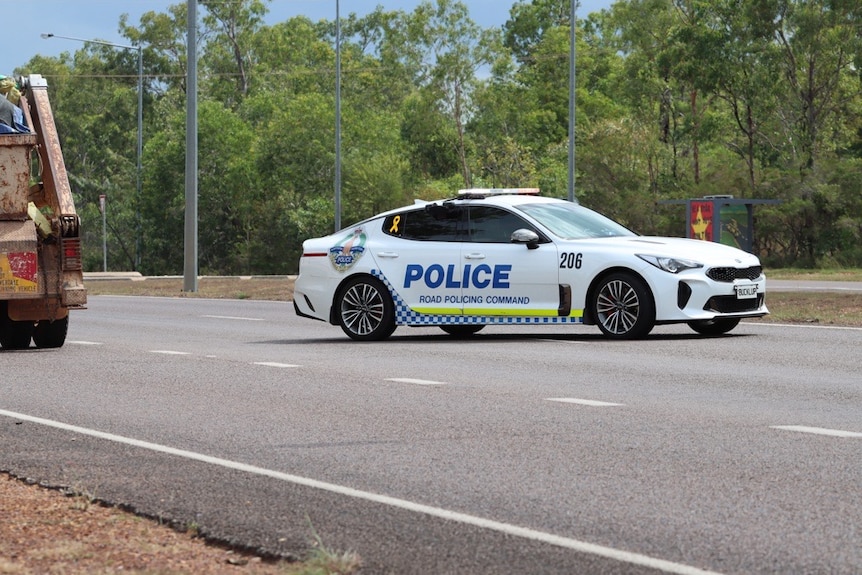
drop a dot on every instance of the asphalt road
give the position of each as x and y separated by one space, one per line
524 450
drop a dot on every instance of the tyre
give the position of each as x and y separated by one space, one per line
461 330
623 307
714 326
15 334
365 309
51 334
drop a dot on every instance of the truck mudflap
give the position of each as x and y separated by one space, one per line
19 260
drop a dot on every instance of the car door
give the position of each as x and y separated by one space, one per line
418 256
501 278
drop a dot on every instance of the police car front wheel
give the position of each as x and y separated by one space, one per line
365 309
623 306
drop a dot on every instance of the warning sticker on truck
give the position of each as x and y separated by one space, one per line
18 272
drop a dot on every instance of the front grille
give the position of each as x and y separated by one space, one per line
730 304
730 274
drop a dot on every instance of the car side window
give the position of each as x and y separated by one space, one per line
423 224
488 224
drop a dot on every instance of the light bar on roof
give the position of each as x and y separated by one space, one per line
499 191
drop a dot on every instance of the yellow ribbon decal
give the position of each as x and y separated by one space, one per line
395 221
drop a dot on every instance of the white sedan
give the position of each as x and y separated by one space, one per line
513 257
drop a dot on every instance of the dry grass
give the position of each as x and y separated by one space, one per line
842 275
276 288
822 308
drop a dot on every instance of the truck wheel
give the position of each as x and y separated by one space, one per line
15 334
623 306
365 309
51 334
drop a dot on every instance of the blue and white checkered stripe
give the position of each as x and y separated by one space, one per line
405 316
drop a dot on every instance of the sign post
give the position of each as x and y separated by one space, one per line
102 198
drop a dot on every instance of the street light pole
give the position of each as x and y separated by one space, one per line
573 22
190 230
140 143
337 117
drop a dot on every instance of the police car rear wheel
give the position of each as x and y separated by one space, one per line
461 330
714 326
366 312
623 307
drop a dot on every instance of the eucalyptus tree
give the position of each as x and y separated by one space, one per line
745 74
447 49
821 44
640 31
230 26
229 192
163 37
291 58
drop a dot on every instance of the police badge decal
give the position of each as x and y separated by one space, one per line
348 251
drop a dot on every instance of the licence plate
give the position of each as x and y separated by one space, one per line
746 291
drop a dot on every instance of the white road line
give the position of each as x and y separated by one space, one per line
415 381
169 352
85 342
234 317
275 364
481 522
590 402
817 430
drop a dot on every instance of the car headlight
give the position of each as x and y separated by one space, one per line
671 265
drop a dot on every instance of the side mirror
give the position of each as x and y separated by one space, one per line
527 237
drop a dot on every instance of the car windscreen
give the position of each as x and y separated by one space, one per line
574 222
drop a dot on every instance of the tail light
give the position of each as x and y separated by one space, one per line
71 249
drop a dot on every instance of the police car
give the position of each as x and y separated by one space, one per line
513 257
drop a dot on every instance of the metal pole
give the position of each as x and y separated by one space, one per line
139 197
102 209
337 117
190 267
572 101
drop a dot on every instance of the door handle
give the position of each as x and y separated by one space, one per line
474 256
392 255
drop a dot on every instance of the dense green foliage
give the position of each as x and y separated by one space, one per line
675 99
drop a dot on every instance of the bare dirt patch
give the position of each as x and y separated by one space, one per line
44 531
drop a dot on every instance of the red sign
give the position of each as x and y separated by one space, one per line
701 221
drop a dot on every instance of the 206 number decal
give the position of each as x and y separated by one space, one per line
570 260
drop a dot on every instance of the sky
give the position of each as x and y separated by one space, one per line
98 19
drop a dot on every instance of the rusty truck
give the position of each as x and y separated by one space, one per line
41 264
